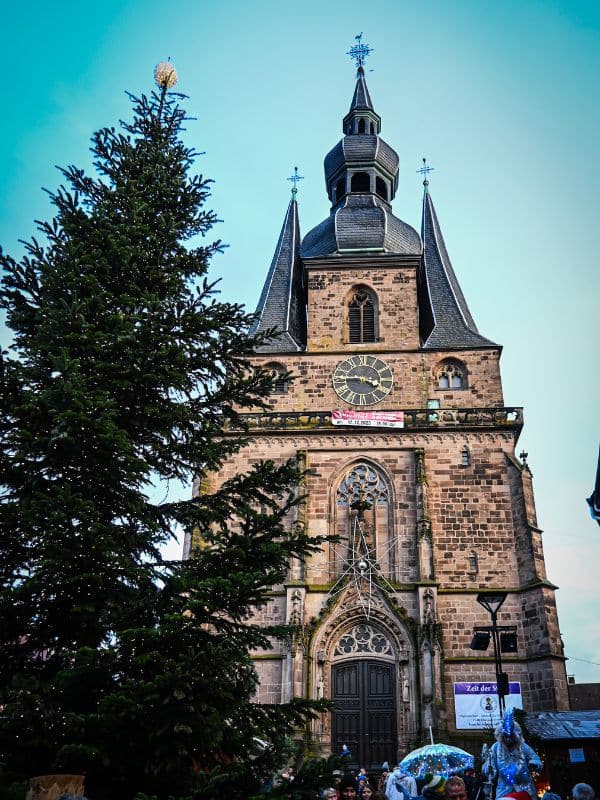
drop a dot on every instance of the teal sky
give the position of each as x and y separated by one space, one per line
503 98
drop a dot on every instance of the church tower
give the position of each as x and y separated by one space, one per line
396 409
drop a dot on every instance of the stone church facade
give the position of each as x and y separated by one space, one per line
372 319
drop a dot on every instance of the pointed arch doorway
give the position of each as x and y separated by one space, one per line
364 716
364 692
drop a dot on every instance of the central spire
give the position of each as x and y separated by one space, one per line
361 176
361 119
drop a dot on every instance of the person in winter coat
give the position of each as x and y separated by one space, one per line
400 786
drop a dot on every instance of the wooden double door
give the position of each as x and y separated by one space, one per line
364 715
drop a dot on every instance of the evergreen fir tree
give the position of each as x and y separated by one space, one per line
126 371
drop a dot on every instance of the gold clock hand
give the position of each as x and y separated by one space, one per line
363 379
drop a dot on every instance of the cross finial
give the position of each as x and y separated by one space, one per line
359 52
294 179
424 171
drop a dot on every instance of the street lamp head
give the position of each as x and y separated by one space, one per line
508 642
491 601
480 641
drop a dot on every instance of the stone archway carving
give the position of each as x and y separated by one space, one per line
347 634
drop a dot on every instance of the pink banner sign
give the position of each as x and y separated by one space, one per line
369 419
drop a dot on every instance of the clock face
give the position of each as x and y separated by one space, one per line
362 380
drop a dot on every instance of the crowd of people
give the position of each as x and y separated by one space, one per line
397 785
506 766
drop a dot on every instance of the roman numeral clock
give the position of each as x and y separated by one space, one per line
362 380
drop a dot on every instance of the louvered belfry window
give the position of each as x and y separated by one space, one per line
361 318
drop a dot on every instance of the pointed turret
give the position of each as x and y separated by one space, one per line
362 98
282 303
362 117
445 319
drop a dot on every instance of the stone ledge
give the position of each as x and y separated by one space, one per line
425 419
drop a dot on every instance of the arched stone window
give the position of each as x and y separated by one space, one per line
381 188
280 383
361 126
372 129
451 375
362 316
361 182
340 189
364 482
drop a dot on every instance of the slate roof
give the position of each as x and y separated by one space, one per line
564 724
361 98
282 303
361 148
594 499
444 318
362 223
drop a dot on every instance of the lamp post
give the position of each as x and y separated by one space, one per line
492 601
504 639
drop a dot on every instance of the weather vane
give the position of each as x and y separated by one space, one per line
294 179
424 171
359 52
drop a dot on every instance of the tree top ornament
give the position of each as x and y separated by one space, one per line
165 75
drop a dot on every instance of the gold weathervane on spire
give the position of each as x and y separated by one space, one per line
358 53
165 75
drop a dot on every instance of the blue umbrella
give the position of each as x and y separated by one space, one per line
439 759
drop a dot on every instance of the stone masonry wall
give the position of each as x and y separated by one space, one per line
470 510
414 380
528 537
396 291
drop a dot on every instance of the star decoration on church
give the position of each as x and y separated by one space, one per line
359 563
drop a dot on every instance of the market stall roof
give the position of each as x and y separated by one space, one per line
549 725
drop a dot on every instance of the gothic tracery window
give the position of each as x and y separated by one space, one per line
362 309
451 375
362 482
363 639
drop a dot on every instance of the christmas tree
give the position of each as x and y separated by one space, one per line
125 370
